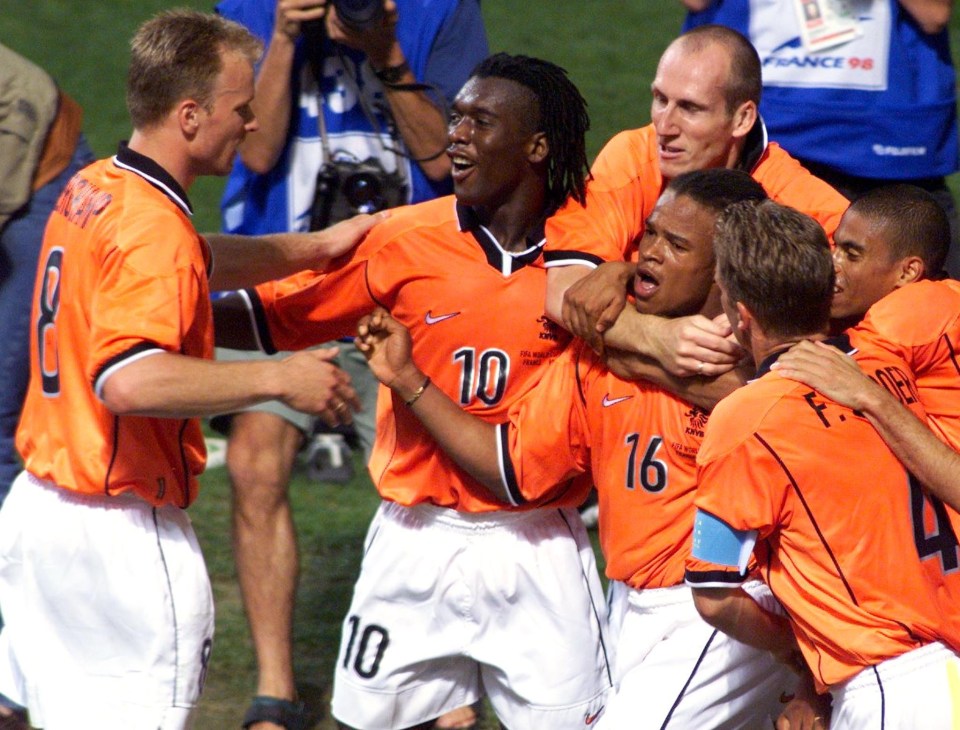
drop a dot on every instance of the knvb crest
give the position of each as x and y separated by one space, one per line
696 421
549 330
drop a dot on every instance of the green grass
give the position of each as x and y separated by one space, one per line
610 48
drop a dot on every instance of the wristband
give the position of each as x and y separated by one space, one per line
418 392
392 74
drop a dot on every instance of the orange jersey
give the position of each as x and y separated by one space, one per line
122 274
920 324
638 441
836 515
627 183
475 313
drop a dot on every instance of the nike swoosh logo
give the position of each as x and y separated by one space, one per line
608 401
430 319
590 719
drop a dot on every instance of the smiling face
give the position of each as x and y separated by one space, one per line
224 125
493 142
865 266
675 269
695 128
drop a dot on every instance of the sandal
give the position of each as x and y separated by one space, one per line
286 713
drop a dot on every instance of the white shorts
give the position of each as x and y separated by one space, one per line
451 606
673 670
919 689
107 607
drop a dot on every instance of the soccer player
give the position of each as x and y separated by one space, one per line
891 237
639 443
108 610
704 114
459 595
834 536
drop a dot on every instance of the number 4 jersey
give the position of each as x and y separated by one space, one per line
475 314
846 538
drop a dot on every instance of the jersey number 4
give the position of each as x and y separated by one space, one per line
49 305
942 541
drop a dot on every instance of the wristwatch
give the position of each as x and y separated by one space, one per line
392 74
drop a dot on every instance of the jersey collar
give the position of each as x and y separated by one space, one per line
150 171
841 342
506 262
754 147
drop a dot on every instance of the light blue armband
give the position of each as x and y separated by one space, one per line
714 541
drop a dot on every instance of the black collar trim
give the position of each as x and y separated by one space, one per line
755 146
506 262
150 171
841 342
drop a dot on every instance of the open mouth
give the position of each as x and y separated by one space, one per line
461 166
645 284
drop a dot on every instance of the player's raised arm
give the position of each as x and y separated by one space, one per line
468 440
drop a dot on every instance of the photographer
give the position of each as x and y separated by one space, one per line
350 96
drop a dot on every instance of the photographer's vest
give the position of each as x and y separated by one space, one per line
35 128
881 104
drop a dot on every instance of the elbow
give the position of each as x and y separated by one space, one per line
711 604
120 395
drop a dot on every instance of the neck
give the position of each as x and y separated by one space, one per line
156 145
512 221
763 346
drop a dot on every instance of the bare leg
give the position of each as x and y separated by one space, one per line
260 456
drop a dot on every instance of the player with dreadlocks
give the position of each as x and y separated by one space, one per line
460 595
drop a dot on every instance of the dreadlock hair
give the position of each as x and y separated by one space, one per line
562 117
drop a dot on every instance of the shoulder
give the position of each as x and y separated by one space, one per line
919 311
743 413
433 219
628 156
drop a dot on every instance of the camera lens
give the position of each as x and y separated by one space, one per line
364 192
359 14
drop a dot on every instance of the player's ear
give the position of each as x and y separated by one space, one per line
744 117
538 148
910 269
188 116
744 318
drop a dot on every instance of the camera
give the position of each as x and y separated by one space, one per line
355 14
346 187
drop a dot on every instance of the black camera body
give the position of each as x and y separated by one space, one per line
356 14
346 187
359 14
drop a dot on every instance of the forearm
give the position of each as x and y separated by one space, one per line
736 614
166 385
634 333
700 391
468 440
261 150
931 15
695 6
929 459
244 261
559 279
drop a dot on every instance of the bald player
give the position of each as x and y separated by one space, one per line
704 114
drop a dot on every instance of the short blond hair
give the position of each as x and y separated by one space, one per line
177 54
